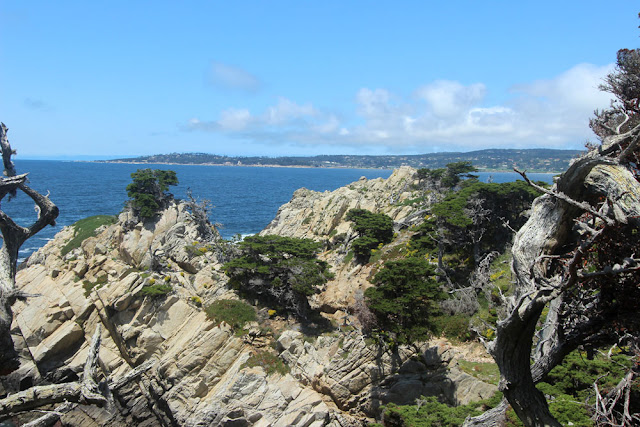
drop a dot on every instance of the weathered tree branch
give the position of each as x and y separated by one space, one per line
51 417
84 391
549 255
13 236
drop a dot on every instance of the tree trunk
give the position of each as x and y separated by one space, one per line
14 236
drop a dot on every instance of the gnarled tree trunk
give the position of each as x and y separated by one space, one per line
590 207
13 236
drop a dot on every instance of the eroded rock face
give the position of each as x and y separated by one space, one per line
200 375
321 216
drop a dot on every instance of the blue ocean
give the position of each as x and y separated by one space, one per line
244 199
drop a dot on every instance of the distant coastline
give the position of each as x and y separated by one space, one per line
297 166
537 160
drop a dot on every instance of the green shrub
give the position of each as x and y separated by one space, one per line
148 191
432 413
348 257
405 299
154 291
454 327
85 228
270 362
281 270
234 312
89 286
373 229
571 385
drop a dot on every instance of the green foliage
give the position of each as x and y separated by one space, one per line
455 327
507 199
234 312
405 299
148 191
570 386
432 413
576 374
155 291
283 270
468 223
270 362
348 257
450 176
487 372
85 228
89 286
373 229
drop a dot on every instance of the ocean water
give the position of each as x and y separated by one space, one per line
244 199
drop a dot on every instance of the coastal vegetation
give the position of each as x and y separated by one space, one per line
283 271
148 192
404 300
85 228
374 230
235 313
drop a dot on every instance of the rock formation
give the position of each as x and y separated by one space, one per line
199 375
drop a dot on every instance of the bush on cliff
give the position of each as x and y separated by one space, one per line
233 312
281 270
148 191
404 300
373 229
85 228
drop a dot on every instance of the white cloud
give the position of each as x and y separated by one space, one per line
234 119
448 98
373 103
285 119
443 114
286 110
231 77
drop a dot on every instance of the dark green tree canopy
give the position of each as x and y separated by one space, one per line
282 270
373 228
149 190
404 299
449 176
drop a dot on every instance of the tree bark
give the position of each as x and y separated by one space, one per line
85 391
13 236
549 259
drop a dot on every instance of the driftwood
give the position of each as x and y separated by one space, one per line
13 236
85 391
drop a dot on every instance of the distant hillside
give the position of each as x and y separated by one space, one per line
533 160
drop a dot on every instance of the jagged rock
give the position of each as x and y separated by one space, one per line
201 376
320 216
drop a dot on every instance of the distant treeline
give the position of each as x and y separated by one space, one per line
533 160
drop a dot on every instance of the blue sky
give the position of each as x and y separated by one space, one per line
97 79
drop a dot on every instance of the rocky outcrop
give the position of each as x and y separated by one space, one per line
202 373
321 216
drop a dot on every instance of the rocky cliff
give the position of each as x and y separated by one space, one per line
201 373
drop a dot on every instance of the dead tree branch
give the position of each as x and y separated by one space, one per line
13 236
84 391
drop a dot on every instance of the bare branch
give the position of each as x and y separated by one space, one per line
561 196
7 152
51 417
